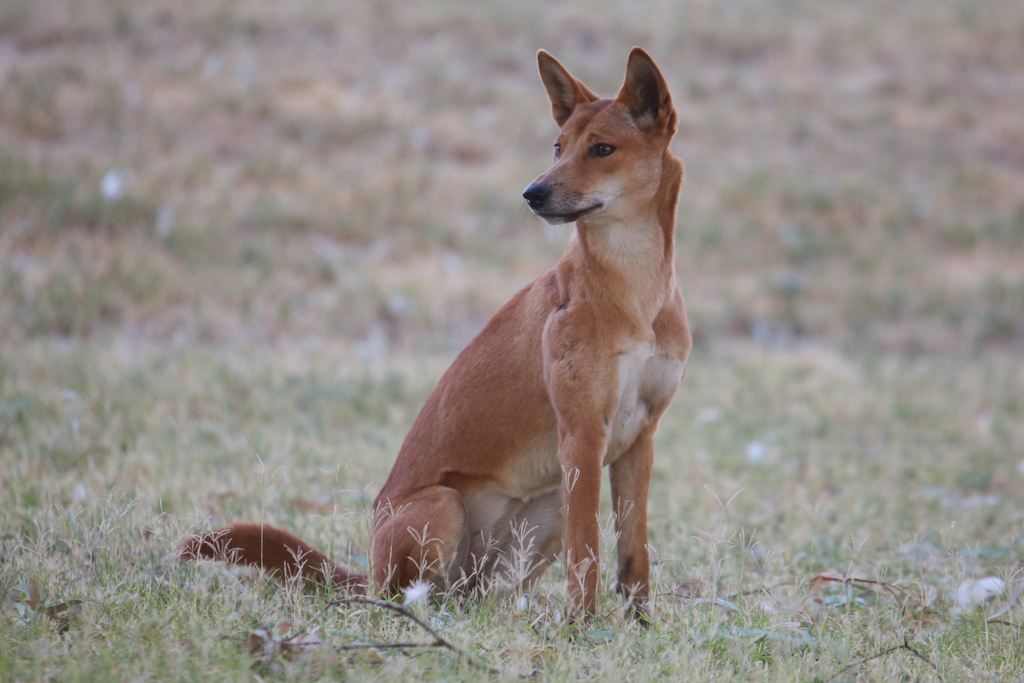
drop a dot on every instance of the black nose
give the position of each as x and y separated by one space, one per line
536 195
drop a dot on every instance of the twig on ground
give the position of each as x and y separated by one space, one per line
386 646
878 655
439 640
822 578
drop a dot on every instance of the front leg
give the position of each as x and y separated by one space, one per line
580 452
630 478
581 379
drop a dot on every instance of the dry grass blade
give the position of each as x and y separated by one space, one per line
439 640
32 595
695 592
27 598
1010 602
63 613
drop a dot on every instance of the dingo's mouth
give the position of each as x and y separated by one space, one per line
557 218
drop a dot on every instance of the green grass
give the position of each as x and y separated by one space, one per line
321 206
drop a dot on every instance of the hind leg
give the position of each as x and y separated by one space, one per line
547 553
422 537
530 541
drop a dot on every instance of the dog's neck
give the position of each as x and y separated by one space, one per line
634 256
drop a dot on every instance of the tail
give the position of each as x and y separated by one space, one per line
274 550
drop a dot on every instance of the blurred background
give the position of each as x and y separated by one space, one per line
237 235
347 175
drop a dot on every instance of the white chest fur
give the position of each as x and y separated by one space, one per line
647 376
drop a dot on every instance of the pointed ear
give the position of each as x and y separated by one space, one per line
564 91
646 95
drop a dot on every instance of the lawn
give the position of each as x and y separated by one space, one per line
240 242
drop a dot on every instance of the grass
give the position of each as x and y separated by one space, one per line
319 206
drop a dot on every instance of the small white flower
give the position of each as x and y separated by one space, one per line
417 593
374 346
164 220
112 185
452 263
212 65
755 452
398 304
419 138
983 423
79 494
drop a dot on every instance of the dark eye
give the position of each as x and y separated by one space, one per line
558 150
601 149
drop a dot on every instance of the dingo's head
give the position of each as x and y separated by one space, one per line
609 154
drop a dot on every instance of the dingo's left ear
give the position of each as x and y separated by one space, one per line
646 94
564 91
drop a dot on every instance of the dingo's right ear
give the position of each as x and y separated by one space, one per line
564 91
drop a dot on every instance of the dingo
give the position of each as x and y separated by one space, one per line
503 464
